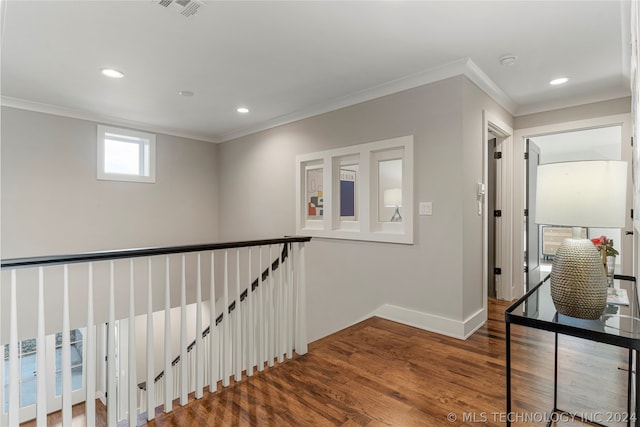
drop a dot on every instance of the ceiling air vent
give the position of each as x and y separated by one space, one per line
184 7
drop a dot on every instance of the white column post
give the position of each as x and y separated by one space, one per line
90 364
301 321
226 352
270 305
251 343
112 374
151 385
261 335
168 372
238 323
14 366
41 370
199 360
133 377
214 352
66 353
184 378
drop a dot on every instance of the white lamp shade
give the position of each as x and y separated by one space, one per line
582 194
393 197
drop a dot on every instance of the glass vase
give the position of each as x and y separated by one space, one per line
611 268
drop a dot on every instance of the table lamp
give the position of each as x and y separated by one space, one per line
580 194
393 198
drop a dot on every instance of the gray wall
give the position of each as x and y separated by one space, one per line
52 202
569 114
475 101
441 274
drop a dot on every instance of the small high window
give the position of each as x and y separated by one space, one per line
126 155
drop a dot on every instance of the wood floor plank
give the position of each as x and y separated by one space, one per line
381 373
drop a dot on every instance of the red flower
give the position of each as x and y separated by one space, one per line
598 241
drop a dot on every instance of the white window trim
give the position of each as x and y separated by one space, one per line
366 227
150 166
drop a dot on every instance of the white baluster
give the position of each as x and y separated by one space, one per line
90 364
184 379
214 357
226 359
238 328
281 323
301 318
14 366
112 406
133 377
250 327
168 371
271 352
66 353
199 360
262 341
3 420
151 393
290 312
41 376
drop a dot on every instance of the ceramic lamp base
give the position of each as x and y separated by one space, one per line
578 280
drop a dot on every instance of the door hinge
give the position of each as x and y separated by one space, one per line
526 156
526 212
497 270
526 269
632 141
631 213
497 213
497 155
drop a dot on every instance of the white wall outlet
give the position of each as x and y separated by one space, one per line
426 208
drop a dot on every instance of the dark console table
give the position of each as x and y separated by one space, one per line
620 328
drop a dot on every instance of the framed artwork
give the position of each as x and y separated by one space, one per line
315 196
347 194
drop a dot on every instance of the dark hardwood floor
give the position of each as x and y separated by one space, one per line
383 373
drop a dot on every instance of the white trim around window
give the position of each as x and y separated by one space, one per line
125 155
339 193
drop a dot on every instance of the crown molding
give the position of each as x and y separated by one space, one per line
463 66
459 67
38 107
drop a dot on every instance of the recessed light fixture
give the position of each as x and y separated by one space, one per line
242 110
508 60
559 81
113 73
186 93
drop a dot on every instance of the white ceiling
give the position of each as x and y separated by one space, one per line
287 60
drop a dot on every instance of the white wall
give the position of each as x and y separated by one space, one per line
349 280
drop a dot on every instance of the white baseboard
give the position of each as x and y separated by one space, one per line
100 395
429 322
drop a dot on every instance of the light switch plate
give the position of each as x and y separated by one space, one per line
426 208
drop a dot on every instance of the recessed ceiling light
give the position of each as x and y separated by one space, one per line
508 60
559 81
242 110
110 72
186 93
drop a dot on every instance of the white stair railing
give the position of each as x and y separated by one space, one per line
259 319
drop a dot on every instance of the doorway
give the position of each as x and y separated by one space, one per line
600 143
491 205
493 196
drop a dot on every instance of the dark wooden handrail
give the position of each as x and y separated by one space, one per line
41 261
